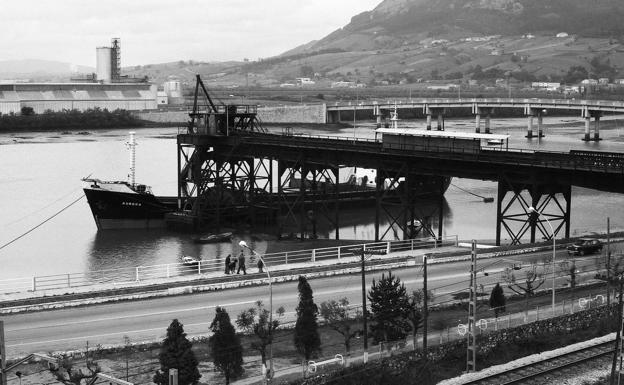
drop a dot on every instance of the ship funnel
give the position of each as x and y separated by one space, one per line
131 144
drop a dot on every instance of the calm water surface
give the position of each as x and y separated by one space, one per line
40 175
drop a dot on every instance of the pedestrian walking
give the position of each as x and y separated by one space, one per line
241 263
260 266
228 259
233 265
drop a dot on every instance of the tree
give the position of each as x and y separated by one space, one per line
340 318
389 309
497 300
27 111
415 314
307 339
532 281
225 346
306 71
575 74
570 268
176 352
256 320
69 375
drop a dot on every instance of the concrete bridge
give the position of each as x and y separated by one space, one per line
484 108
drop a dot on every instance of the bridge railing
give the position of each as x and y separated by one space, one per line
112 278
512 102
572 160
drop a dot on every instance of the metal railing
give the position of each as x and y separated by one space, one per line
205 268
468 102
573 160
437 337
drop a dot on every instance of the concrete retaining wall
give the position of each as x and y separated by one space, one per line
163 116
307 113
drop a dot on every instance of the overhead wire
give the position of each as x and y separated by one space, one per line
41 223
40 209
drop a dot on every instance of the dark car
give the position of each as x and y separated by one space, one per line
585 246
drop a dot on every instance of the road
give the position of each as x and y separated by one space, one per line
147 320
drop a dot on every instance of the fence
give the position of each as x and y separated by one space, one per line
205 268
438 337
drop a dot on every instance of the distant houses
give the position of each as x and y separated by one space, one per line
546 86
304 81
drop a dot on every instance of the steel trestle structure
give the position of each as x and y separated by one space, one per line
232 170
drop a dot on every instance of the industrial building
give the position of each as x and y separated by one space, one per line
106 90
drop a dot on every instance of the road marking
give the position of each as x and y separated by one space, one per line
134 315
102 335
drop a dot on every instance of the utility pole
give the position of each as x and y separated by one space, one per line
173 376
608 264
364 312
618 348
362 251
425 309
3 380
471 354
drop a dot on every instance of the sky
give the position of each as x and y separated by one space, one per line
158 31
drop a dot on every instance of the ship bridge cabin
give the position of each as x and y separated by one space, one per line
439 141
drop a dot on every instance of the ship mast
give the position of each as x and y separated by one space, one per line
131 144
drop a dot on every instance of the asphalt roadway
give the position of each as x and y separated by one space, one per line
146 320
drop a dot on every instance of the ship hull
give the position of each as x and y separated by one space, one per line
128 210
113 209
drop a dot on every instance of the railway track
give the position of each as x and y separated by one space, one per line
535 373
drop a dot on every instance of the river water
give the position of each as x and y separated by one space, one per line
40 176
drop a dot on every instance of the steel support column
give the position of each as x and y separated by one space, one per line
306 190
514 216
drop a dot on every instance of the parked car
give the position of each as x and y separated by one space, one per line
585 246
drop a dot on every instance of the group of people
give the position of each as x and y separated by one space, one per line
230 264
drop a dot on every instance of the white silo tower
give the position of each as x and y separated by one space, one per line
104 68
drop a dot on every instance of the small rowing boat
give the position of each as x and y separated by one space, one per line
214 238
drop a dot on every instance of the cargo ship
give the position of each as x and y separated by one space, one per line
126 204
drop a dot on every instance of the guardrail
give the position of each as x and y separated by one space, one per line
142 274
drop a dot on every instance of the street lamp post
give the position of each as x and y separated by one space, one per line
266 268
552 232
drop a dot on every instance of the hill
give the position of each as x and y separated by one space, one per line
414 41
408 41
43 70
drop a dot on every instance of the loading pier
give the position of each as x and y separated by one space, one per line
226 159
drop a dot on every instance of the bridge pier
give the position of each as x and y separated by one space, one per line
377 114
408 202
478 112
587 115
531 113
514 216
333 116
439 112
315 188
